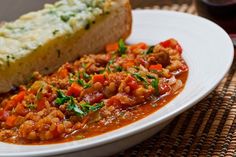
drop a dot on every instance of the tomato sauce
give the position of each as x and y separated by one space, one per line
94 95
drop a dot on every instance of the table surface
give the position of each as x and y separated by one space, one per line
207 129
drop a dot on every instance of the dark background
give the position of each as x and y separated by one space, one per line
142 3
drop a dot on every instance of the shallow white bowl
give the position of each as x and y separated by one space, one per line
207 50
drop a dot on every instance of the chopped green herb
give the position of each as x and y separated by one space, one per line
61 98
119 68
154 84
31 106
39 93
84 65
66 18
136 67
13 57
70 78
73 107
82 83
122 48
151 77
79 137
86 76
111 62
85 107
55 32
140 78
150 50
124 55
97 107
101 71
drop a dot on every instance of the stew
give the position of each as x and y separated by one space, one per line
95 94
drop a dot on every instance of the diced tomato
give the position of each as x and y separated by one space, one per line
172 43
142 61
74 90
11 120
10 105
128 64
99 78
36 86
139 46
55 132
157 67
62 73
41 104
132 83
112 47
21 109
95 97
164 88
166 43
184 67
19 97
179 48
3 114
15 100
113 101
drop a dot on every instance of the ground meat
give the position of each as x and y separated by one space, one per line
161 57
88 96
45 125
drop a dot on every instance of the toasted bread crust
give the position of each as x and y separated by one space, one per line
129 20
111 28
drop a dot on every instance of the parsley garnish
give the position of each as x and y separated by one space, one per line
39 92
71 78
61 98
150 50
66 18
73 107
55 32
119 68
83 84
86 76
151 77
81 110
101 71
85 108
31 106
97 107
84 65
109 64
79 137
122 48
140 78
154 82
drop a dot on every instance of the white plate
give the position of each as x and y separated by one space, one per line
209 53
